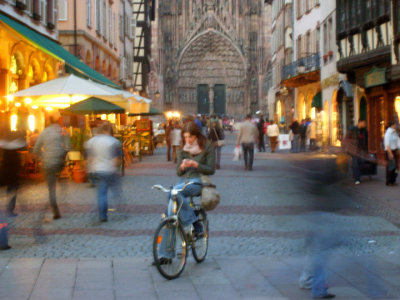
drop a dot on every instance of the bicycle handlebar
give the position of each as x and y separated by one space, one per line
165 190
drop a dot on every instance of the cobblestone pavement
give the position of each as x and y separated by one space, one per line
262 212
257 241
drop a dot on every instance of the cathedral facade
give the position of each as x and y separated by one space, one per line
211 56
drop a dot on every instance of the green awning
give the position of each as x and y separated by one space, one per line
57 51
317 100
152 112
94 105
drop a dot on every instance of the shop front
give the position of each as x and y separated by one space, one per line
28 59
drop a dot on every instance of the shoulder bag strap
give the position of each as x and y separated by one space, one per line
216 134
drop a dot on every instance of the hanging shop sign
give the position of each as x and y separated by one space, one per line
376 76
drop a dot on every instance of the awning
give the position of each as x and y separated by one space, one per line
317 100
152 112
55 50
94 105
346 86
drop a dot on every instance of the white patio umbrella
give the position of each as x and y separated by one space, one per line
64 91
136 103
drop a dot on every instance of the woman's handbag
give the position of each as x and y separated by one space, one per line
220 143
209 195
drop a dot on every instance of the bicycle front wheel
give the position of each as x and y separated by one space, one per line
200 246
170 249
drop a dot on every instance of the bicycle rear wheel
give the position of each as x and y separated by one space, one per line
170 249
200 246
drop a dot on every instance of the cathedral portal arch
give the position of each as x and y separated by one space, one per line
211 59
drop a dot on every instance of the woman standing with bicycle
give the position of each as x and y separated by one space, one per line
195 158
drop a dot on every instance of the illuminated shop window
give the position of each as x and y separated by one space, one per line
397 106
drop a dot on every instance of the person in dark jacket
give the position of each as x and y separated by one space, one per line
10 168
260 127
295 127
359 141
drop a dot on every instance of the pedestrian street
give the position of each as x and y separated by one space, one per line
262 219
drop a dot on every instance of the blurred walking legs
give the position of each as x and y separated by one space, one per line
248 155
106 181
51 177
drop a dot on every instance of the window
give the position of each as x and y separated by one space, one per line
62 10
299 47
299 8
353 14
326 39
109 20
89 13
104 16
331 36
97 14
396 16
51 12
115 30
43 11
121 26
341 16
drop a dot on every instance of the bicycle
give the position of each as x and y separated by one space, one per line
175 239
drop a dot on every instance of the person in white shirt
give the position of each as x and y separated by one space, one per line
104 157
391 144
248 136
273 133
176 140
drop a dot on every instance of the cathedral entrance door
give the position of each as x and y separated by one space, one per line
203 99
219 99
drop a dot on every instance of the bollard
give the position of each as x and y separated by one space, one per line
4 237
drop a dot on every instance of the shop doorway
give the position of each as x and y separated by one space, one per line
203 99
363 109
345 114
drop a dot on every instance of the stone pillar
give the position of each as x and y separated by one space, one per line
211 96
4 84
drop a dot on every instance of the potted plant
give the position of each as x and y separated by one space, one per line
76 155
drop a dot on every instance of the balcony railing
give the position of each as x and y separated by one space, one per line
303 65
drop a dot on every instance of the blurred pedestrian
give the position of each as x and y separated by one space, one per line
295 127
32 138
260 128
198 122
104 154
312 134
176 139
10 168
247 137
357 147
303 135
216 136
273 133
391 144
168 131
52 146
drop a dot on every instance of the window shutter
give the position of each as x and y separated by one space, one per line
62 9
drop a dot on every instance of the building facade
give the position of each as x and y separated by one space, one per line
143 15
304 73
280 98
23 63
367 39
212 56
331 79
100 33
